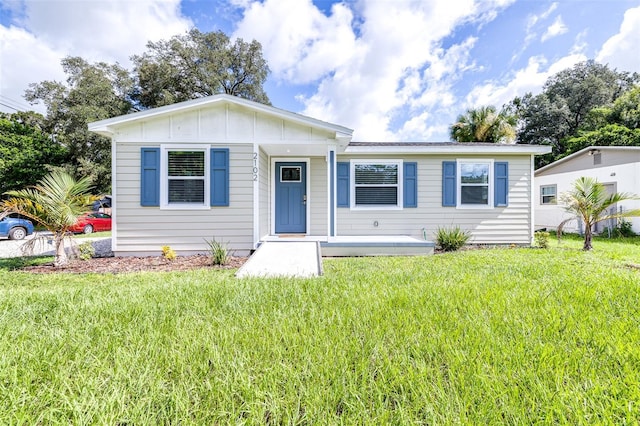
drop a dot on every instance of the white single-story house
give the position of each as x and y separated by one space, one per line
227 168
616 167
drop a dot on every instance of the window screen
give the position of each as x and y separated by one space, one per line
376 184
186 170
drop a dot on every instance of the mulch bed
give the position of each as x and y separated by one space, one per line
119 265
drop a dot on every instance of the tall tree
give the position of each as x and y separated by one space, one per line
567 98
589 202
484 124
55 203
26 152
199 64
92 92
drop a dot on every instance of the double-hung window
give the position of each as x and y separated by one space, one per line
186 177
376 184
475 183
548 194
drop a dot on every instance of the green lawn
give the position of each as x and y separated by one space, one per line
500 336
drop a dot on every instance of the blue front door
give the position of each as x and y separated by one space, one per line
291 198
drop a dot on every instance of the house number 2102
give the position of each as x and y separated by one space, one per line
255 167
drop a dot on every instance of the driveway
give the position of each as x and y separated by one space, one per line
44 245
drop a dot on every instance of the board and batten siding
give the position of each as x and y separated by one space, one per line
497 225
144 230
226 122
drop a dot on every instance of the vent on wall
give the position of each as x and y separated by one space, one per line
597 158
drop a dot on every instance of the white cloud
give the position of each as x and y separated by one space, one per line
621 50
47 31
371 61
557 28
529 79
304 44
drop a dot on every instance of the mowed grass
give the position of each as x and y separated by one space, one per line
496 336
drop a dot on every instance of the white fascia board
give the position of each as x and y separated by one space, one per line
450 149
105 127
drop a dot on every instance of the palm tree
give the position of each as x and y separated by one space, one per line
55 203
484 124
589 202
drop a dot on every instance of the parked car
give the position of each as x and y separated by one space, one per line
15 228
92 222
102 204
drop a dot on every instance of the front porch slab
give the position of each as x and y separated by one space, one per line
369 245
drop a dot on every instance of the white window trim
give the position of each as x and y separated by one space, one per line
459 163
542 203
164 177
352 184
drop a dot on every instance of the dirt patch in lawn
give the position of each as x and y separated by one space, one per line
119 265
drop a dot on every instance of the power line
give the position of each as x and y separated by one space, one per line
9 106
13 104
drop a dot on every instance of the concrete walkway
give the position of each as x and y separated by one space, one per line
284 259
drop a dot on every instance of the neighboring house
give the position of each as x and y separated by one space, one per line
244 172
616 167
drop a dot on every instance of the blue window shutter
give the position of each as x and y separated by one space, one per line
150 177
501 183
449 184
343 189
410 177
219 186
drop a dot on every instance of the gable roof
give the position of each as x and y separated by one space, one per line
105 127
583 151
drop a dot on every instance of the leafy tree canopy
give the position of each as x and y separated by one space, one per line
566 101
574 101
199 64
92 92
26 152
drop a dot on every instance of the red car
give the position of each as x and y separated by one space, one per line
92 222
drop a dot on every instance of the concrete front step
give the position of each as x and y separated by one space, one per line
284 259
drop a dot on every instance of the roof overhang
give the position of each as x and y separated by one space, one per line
107 127
435 148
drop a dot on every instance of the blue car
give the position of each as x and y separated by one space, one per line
15 228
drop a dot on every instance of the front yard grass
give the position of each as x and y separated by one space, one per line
495 336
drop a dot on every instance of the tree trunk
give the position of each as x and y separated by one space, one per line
61 255
587 238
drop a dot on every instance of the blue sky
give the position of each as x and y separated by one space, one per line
389 69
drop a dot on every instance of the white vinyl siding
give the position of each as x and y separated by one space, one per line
318 198
499 225
265 203
143 231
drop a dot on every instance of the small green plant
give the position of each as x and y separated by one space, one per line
86 251
218 251
624 229
451 238
541 239
168 253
